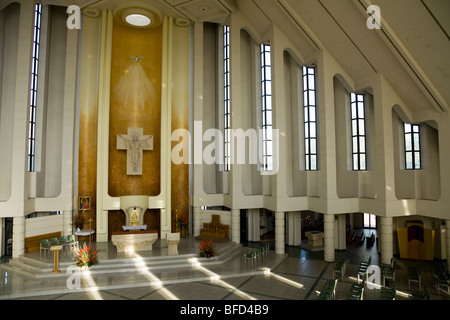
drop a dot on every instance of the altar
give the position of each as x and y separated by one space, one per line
130 241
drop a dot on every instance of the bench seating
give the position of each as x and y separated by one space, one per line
215 229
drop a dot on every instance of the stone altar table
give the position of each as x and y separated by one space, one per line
129 241
315 238
172 240
138 227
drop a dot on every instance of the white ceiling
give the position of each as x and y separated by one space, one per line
412 49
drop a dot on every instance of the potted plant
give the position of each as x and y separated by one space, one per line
87 257
182 223
207 249
78 222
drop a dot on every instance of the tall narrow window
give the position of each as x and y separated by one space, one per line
358 131
34 86
309 109
266 89
412 146
226 80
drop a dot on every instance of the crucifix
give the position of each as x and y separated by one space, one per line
135 142
90 231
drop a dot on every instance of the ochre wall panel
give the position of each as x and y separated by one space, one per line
180 120
135 102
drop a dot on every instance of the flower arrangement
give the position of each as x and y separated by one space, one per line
87 257
182 220
207 249
78 221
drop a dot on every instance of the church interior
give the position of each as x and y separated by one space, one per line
306 140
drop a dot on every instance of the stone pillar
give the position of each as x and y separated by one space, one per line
253 225
18 236
67 223
447 232
279 232
342 236
328 241
386 240
236 225
293 229
197 223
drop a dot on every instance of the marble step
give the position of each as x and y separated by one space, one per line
33 268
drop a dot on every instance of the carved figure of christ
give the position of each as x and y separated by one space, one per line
135 142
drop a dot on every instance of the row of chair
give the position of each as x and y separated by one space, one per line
387 293
421 295
414 275
362 269
441 277
357 291
329 290
340 268
388 271
256 254
64 241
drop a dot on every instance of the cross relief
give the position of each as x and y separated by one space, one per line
135 142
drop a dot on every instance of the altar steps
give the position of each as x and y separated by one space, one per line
33 274
41 267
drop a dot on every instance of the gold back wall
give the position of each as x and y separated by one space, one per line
135 102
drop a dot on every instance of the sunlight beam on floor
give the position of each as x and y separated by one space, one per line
214 277
282 279
154 280
378 287
93 289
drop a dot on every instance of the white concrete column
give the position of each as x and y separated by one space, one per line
18 236
328 241
342 236
197 223
279 232
293 229
67 223
386 240
253 225
236 225
2 243
447 226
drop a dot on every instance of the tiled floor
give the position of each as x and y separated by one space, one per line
298 275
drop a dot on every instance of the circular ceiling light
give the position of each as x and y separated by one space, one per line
138 20
139 16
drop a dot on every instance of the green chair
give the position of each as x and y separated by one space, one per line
44 246
72 242
62 240
54 242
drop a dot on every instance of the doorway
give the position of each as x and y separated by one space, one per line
8 236
370 220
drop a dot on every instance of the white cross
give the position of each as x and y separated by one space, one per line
135 142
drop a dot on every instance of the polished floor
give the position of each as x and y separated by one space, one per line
298 275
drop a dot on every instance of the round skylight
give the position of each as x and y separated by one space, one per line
138 20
